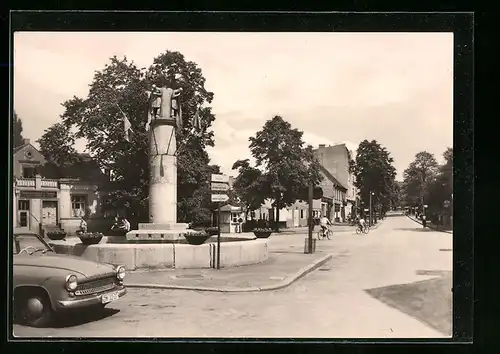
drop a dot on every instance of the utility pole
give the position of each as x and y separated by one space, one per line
371 193
218 235
310 218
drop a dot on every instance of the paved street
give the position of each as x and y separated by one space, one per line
357 294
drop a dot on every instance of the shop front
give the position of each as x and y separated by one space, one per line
48 203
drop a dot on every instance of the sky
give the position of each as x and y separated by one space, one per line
396 88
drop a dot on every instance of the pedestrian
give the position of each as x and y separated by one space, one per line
126 224
324 222
424 221
240 224
121 225
83 225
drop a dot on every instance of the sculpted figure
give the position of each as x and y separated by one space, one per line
164 104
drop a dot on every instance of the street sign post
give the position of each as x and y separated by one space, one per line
220 178
219 187
220 183
219 198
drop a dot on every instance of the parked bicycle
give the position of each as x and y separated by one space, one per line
322 234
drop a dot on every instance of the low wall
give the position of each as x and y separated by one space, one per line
166 255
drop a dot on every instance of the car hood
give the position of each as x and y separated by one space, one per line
83 269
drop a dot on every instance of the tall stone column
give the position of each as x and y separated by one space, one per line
163 172
163 119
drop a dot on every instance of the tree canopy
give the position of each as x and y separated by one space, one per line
375 173
247 185
438 187
17 131
121 86
418 177
288 167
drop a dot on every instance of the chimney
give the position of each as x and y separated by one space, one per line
26 141
322 145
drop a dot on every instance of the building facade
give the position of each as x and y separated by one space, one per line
41 202
335 160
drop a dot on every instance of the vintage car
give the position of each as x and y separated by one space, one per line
46 283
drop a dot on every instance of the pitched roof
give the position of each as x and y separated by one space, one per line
16 149
331 177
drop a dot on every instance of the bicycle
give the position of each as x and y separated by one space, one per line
322 234
362 229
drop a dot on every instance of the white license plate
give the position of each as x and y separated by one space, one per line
109 297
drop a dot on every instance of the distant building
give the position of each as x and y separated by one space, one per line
45 202
333 203
339 192
335 159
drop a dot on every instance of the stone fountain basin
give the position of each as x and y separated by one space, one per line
235 251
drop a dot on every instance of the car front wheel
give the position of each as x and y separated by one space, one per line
34 308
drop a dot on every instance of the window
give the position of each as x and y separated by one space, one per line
302 213
78 205
23 205
29 172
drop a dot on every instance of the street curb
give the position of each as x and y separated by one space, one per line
432 228
283 284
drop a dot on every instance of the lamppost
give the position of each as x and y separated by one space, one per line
371 193
310 217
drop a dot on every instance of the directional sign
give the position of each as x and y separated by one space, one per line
220 187
219 198
220 178
425 206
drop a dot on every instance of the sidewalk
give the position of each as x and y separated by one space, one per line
279 271
430 225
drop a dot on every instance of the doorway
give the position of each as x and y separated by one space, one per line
23 213
295 213
49 212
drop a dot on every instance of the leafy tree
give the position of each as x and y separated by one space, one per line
418 177
57 146
17 131
122 87
441 187
397 194
375 173
247 185
289 166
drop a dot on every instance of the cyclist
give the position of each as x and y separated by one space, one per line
324 222
361 222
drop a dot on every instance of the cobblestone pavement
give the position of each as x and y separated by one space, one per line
331 302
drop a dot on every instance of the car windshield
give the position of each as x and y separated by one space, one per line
29 245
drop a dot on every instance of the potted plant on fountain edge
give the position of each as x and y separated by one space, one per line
262 232
56 235
90 238
196 237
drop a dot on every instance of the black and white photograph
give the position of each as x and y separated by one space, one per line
232 184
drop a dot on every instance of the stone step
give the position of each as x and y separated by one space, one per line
157 226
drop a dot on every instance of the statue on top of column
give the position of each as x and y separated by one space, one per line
164 103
